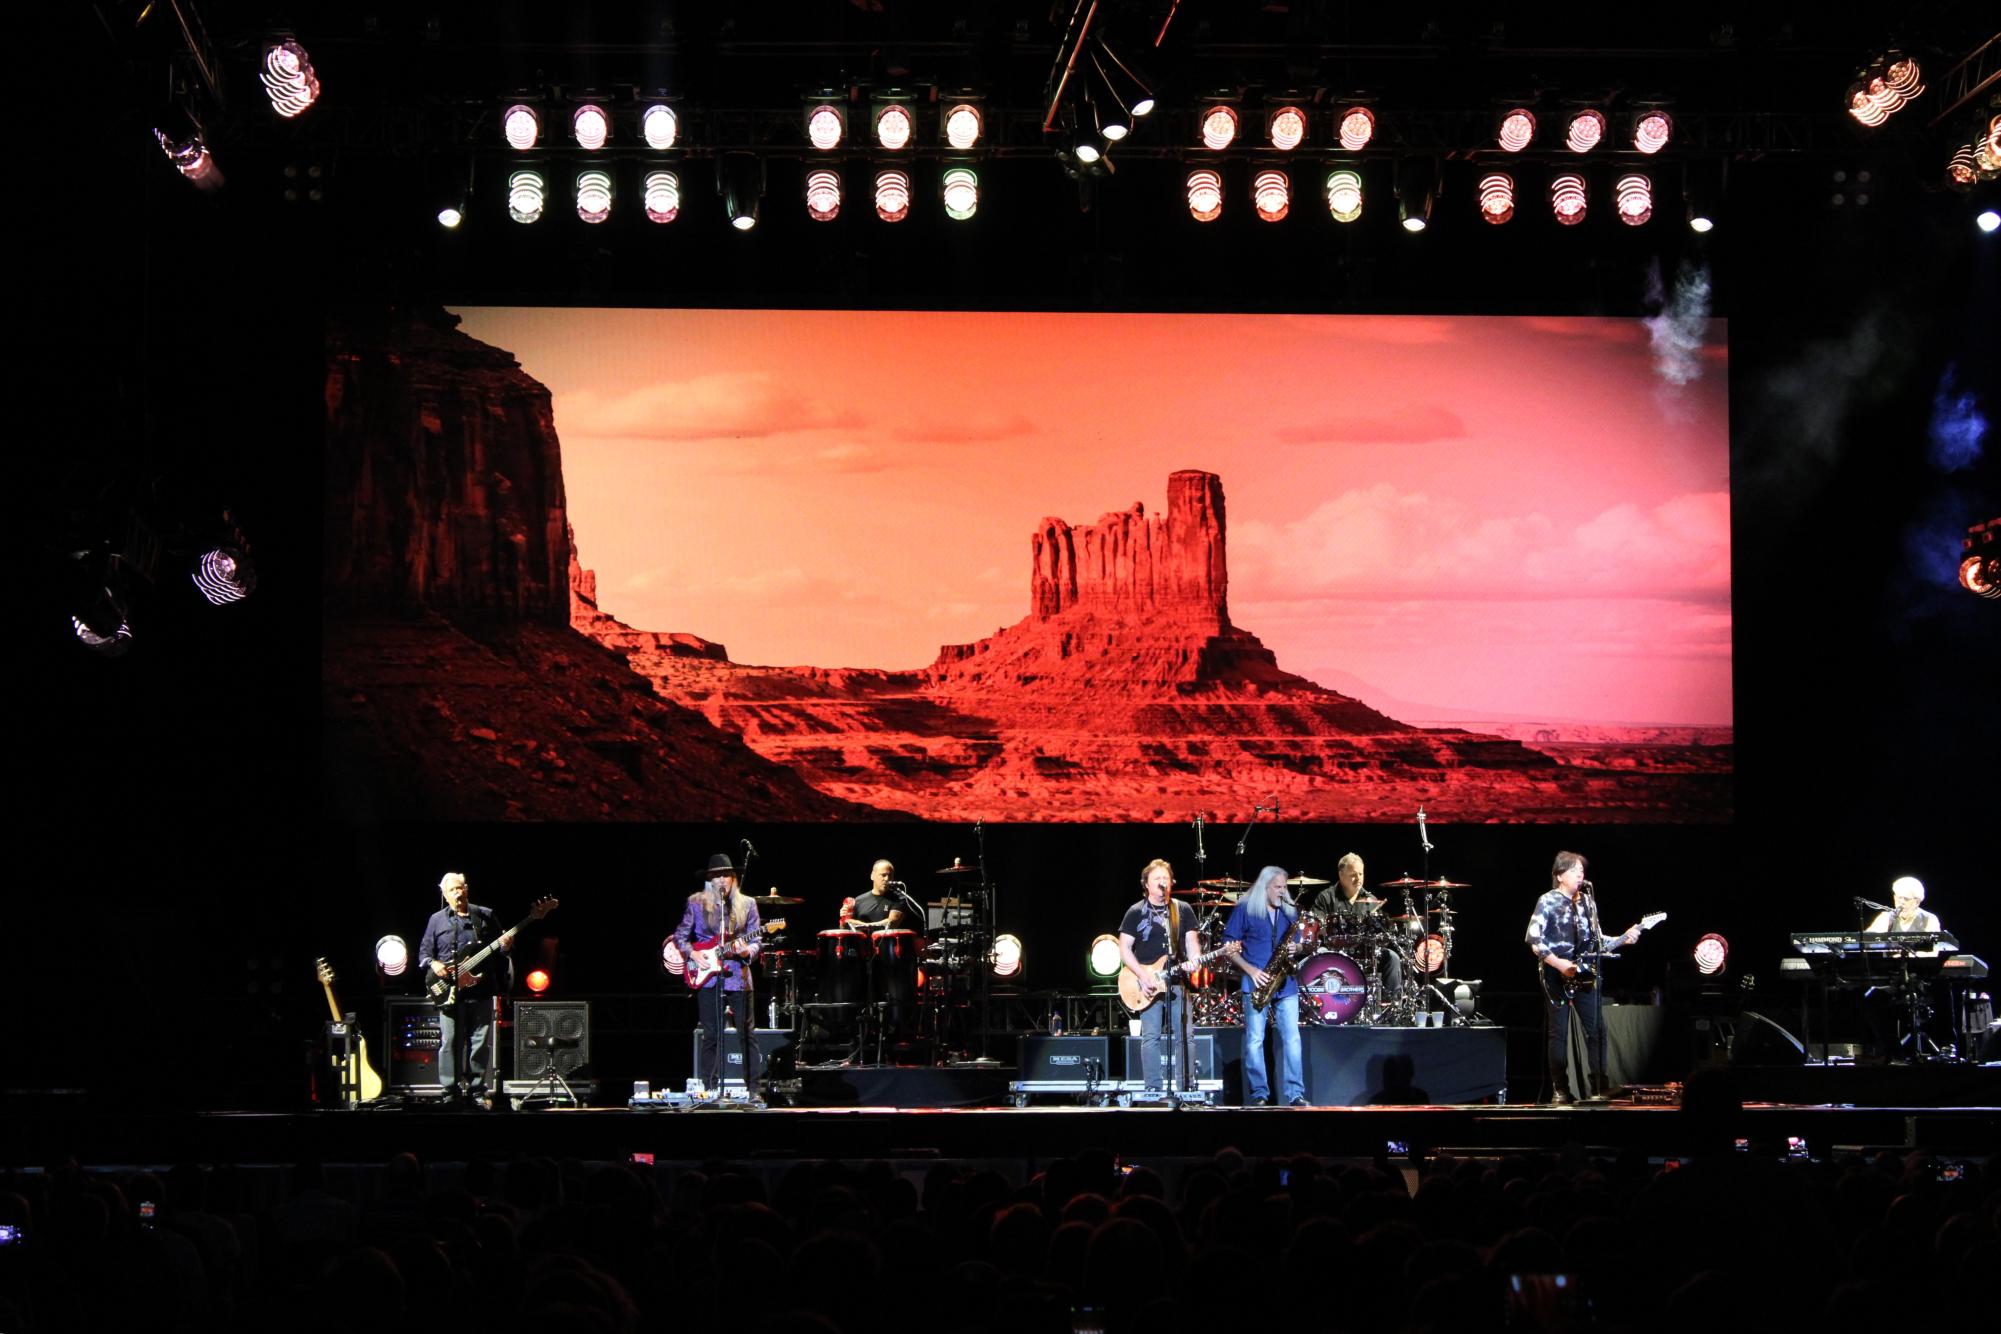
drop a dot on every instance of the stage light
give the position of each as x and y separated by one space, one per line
1219 128
1699 222
224 575
1358 126
1633 199
1980 557
1587 128
740 181
538 980
1103 958
1884 88
392 956
663 196
593 196
893 126
961 193
450 217
1517 129
112 640
1651 131
288 78
660 126
826 125
1960 171
590 124
823 195
1987 220
1987 148
1417 189
183 145
1702 190
1131 91
892 195
671 957
525 192
1285 128
962 126
1712 955
1272 193
1205 195
1086 151
1497 197
1108 114
1567 198
522 125
1009 960
1344 194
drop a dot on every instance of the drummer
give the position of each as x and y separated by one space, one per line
1344 898
882 908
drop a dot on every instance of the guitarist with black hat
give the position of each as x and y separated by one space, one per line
720 937
455 933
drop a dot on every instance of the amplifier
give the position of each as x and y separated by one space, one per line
774 1050
410 1044
1205 1058
1040 1058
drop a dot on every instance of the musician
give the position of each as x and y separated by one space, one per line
1886 1008
1145 938
455 932
1907 893
1346 907
703 920
882 908
1559 935
1258 922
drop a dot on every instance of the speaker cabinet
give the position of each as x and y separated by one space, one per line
1205 1057
1042 1058
551 1037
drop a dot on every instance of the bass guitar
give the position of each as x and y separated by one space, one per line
705 957
1133 992
1559 988
349 1071
445 990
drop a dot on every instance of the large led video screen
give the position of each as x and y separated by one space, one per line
1086 567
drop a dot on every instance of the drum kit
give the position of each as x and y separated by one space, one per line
1370 961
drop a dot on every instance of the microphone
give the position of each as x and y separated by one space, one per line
1584 886
1871 904
748 850
1424 839
1199 855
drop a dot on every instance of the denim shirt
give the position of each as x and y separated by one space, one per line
1259 935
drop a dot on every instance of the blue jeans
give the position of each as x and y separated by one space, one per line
1285 1012
462 1055
1153 1052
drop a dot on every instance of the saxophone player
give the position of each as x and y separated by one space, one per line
1264 924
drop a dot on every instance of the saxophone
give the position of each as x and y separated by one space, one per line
1278 967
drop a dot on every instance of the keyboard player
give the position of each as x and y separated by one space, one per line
1897 1018
1906 913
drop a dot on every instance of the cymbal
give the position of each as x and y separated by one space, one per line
956 868
1307 882
777 901
1406 917
1407 882
1443 883
1224 882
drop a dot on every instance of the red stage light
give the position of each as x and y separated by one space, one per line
1219 128
1287 128
663 196
593 196
1633 196
1358 126
1497 197
1712 955
1587 127
288 78
823 128
1205 195
892 195
893 126
1567 198
591 125
1517 130
962 126
522 126
823 195
1273 193
538 981
1651 132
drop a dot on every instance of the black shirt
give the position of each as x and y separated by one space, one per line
871 908
1151 931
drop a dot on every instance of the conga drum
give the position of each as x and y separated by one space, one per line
844 961
896 955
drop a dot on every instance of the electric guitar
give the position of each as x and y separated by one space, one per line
445 990
1132 989
1559 988
369 1082
705 957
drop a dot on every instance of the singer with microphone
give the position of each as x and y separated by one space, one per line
1564 935
883 907
458 931
720 917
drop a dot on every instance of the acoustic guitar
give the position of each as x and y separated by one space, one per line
1559 989
1132 991
369 1081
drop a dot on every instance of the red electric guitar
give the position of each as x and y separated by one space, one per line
705 957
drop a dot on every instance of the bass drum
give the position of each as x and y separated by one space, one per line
1333 988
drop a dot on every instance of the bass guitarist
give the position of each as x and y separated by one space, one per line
722 918
1564 936
1145 937
456 932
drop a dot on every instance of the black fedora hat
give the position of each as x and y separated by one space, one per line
720 864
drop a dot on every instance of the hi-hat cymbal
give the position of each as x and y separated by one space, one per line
1307 882
777 901
1224 882
1407 882
956 868
1443 883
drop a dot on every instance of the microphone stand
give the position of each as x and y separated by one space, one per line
1243 839
1596 1042
746 969
991 921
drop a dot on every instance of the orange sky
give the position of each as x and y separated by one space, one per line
1509 516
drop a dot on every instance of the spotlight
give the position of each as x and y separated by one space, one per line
1884 87
224 575
1961 172
660 126
961 192
591 126
1285 128
826 126
181 140
1009 961
1497 197
893 126
1702 189
522 125
1633 199
1219 128
1987 220
1344 194
593 195
1272 193
1108 114
288 77
1587 128
1567 198
392 956
1125 85
1086 151
1980 557
740 181
663 196
450 216
1517 129
1651 131
1205 194
108 634
892 194
1712 955
538 980
823 195
1103 959
962 126
1700 223
525 192
1417 188
1358 126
